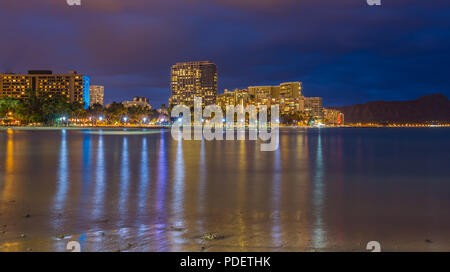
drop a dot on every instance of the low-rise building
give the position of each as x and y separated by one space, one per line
137 102
333 117
235 97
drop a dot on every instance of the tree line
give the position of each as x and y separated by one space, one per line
51 109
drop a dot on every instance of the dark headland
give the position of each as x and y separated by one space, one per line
426 109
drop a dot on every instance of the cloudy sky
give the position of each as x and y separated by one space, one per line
343 50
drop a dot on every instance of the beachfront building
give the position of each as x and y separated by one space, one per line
313 106
96 94
73 86
287 95
193 79
235 97
290 90
333 117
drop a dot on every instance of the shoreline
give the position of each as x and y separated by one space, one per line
169 126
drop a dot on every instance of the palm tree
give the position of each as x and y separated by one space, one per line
116 111
9 107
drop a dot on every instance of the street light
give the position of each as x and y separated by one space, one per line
144 119
100 118
125 119
63 120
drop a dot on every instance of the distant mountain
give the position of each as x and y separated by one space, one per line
429 108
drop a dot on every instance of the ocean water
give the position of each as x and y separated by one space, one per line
331 189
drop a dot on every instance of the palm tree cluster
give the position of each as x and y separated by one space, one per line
51 109
44 109
116 112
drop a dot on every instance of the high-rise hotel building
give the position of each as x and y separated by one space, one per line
96 94
290 90
43 82
190 79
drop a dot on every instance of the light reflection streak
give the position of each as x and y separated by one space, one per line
9 164
63 169
162 177
276 196
160 197
86 168
202 179
318 199
241 192
178 185
302 161
177 208
201 205
99 180
124 179
144 177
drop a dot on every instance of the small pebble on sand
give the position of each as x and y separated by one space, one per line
209 236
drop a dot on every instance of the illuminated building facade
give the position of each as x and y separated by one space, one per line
193 79
287 95
290 90
291 105
313 105
264 95
226 99
96 94
333 117
43 82
284 90
236 97
137 102
261 93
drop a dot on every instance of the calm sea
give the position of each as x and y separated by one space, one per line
332 189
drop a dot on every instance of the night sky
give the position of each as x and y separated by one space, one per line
345 51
